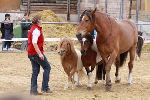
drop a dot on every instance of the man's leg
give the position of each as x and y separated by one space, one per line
46 67
35 72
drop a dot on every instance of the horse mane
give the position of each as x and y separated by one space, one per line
69 42
86 12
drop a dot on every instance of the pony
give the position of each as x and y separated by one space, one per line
92 58
114 40
140 43
71 61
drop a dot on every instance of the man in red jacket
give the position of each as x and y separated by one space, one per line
37 57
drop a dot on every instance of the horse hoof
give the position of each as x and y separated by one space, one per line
89 88
117 81
95 82
108 88
129 84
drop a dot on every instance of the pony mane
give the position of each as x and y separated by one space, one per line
69 42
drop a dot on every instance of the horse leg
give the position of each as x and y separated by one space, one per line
89 73
77 79
96 79
109 63
130 64
117 64
72 72
67 71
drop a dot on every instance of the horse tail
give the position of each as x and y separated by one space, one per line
139 46
100 71
123 58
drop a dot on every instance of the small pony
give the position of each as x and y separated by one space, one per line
139 43
91 57
71 61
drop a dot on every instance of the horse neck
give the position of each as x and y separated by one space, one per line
102 25
94 46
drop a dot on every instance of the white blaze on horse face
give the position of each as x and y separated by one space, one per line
83 39
83 18
83 31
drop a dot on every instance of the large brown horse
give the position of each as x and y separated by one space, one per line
114 38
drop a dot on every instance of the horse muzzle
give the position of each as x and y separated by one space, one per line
83 52
61 52
79 36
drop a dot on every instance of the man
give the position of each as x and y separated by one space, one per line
25 26
7 32
37 57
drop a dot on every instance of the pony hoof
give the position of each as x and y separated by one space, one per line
129 84
108 88
89 88
95 82
117 81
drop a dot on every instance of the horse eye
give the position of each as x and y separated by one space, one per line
86 20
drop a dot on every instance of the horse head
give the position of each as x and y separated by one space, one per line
86 43
86 24
65 47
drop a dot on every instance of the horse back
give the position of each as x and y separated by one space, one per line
128 35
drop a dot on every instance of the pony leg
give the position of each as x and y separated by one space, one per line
72 72
67 71
130 64
89 73
96 79
117 63
110 60
77 79
89 86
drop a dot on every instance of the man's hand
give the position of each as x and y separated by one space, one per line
41 56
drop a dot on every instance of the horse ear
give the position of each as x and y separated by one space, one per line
94 11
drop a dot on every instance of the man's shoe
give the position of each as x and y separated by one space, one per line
35 93
47 91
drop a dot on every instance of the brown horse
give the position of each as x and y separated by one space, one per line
92 58
114 38
70 60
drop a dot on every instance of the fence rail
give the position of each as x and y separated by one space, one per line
48 39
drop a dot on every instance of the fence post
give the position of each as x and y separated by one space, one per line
68 10
28 7
121 9
106 3
78 9
137 10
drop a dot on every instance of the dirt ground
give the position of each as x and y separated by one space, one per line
15 73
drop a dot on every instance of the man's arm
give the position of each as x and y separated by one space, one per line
35 35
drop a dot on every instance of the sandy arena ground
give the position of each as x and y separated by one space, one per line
15 73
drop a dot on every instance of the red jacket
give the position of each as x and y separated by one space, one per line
40 42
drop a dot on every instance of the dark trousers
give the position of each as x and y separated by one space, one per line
7 44
36 63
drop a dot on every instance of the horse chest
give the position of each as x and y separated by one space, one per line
105 49
69 60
